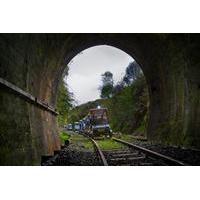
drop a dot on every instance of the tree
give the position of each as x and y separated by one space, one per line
64 102
133 71
129 107
107 85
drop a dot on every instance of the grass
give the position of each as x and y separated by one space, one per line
109 144
63 136
79 140
88 144
126 137
105 144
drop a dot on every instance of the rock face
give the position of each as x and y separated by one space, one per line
35 63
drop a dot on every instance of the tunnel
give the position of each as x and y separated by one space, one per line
34 63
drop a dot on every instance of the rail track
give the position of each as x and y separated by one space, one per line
131 155
99 152
134 155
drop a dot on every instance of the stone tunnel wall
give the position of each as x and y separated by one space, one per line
178 95
35 62
28 132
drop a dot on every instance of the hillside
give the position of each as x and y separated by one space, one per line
127 109
82 110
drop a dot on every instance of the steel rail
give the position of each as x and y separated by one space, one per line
98 150
152 153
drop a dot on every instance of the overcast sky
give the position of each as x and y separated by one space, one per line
86 68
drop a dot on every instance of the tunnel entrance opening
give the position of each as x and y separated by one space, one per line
127 98
34 63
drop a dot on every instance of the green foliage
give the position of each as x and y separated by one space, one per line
133 70
64 103
128 108
64 136
105 144
127 102
126 137
81 111
107 85
106 91
109 144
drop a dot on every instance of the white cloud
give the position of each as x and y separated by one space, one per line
86 69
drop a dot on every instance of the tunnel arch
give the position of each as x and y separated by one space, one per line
136 50
78 53
35 63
